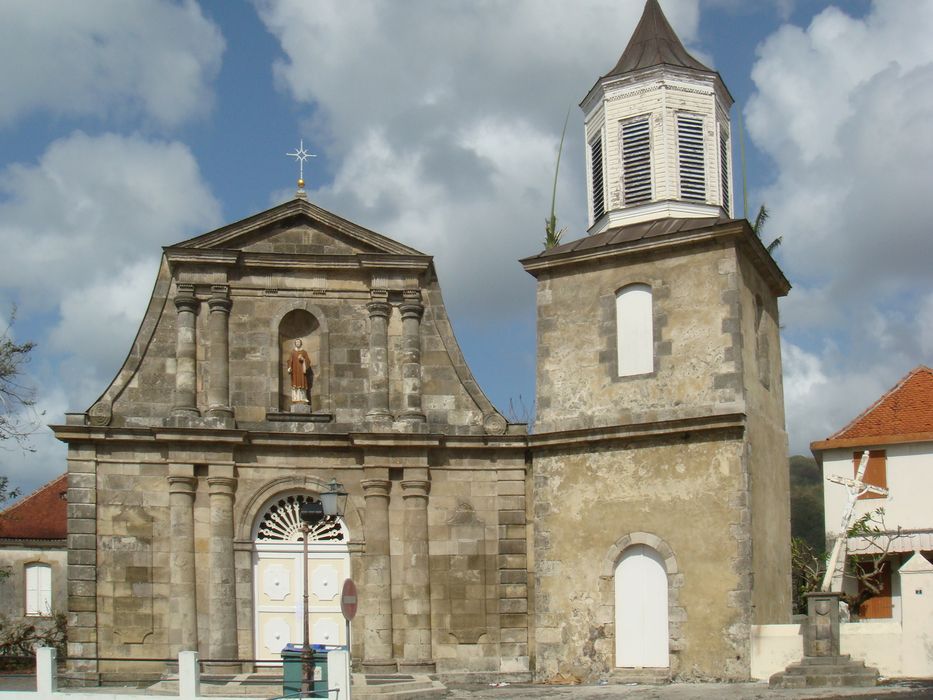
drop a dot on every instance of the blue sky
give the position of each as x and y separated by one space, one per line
129 126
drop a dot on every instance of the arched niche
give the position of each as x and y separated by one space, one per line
303 325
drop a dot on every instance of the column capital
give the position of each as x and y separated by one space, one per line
224 485
220 303
186 302
376 488
378 309
411 309
415 488
182 484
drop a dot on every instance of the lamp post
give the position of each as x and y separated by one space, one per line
332 505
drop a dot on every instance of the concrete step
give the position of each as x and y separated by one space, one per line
396 686
826 672
641 676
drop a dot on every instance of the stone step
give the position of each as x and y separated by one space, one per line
640 676
396 687
826 672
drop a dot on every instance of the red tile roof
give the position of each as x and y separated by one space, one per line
906 411
43 515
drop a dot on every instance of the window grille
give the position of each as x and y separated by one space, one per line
724 169
636 161
691 157
596 167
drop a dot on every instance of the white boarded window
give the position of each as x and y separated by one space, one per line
724 169
634 330
636 161
38 589
596 169
690 156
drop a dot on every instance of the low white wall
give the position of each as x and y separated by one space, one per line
774 647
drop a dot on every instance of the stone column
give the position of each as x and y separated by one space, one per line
186 305
412 310
417 654
218 388
183 622
377 579
379 360
222 640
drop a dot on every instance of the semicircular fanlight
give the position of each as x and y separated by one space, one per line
282 523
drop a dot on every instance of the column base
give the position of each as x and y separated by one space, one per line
223 669
379 416
416 666
380 666
185 412
413 417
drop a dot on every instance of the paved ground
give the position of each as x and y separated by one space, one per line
693 691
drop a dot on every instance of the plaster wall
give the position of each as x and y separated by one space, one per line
687 492
695 334
909 470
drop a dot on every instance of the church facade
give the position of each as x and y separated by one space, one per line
642 524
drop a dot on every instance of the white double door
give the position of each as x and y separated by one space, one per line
278 596
641 609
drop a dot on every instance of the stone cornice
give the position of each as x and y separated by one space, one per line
176 255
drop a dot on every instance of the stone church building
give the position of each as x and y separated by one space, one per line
643 523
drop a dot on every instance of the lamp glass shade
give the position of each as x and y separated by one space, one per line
334 499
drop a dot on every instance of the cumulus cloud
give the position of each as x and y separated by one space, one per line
443 120
151 58
82 231
843 108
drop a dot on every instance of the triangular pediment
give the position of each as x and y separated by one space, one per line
297 227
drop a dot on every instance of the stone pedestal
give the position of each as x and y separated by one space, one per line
822 665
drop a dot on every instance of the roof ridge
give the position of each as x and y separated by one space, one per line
34 494
851 425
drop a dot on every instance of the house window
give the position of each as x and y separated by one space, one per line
634 330
876 472
38 589
596 169
636 161
724 170
691 157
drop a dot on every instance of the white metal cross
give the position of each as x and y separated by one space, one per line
856 488
301 155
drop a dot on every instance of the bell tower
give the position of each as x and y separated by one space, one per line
658 139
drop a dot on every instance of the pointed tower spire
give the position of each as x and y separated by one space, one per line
657 132
654 43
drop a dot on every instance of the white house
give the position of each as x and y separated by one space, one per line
897 430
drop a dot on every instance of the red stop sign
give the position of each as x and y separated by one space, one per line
348 599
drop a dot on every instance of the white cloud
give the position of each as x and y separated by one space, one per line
82 231
843 108
108 57
444 120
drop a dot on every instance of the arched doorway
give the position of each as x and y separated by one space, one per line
278 587
641 619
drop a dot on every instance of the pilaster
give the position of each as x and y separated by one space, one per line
377 576
411 311
186 305
417 652
379 310
222 639
218 388
183 629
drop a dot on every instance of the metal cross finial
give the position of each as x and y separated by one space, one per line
301 155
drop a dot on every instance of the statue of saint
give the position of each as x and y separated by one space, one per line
302 376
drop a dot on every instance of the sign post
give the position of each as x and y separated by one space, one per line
348 605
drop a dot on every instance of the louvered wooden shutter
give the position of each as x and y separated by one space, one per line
636 162
596 165
724 169
691 158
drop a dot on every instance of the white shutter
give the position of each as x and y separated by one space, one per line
691 157
634 330
38 589
636 161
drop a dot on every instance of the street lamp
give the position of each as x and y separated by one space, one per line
332 505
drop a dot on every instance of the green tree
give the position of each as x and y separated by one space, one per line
759 225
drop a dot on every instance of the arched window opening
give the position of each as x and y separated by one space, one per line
634 330
38 589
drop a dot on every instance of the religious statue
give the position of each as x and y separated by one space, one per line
302 376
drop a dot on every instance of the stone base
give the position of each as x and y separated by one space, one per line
826 671
421 666
301 407
377 666
641 676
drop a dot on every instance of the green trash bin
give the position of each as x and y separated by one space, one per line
293 670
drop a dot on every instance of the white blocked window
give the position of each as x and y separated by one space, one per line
634 330
38 589
636 161
596 174
691 157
